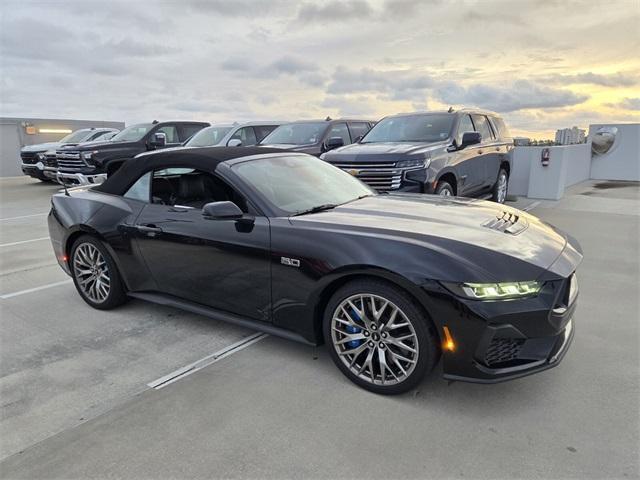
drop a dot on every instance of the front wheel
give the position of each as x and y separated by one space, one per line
444 189
95 274
499 193
378 337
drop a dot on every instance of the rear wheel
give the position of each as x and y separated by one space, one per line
95 274
444 189
378 337
499 193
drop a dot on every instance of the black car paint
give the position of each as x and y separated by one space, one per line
472 170
318 148
110 154
417 242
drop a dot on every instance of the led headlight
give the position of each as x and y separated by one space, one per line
418 162
40 156
496 291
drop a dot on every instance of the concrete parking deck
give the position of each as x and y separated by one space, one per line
75 402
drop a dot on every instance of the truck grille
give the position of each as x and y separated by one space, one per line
69 161
50 160
503 350
381 176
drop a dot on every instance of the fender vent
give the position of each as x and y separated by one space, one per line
506 222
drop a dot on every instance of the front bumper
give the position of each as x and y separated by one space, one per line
496 341
80 178
39 170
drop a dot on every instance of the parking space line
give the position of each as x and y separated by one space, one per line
531 206
23 216
206 361
24 241
35 289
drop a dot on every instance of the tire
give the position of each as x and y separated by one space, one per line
358 330
95 274
499 192
444 189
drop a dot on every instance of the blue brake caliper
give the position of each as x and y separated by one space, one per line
352 329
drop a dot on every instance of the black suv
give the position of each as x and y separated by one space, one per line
92 163
317 136
463 152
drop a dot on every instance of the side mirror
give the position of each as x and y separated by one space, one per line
470 138
158 140
221 211
333 142
234 142
358 138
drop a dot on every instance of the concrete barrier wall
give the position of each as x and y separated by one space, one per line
622 162
568 165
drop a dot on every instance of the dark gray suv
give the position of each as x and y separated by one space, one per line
464 152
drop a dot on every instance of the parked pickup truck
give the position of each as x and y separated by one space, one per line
465 153
39 161
92 163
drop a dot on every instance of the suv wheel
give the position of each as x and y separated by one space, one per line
95 274
501 187
378 337
444 189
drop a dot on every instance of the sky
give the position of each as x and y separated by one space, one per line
543 65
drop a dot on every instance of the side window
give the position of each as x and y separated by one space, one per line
187 131
171 132
340 130
188 187
263 130
358 129
482 126
140 190
95 136
465 125
500 128
246 136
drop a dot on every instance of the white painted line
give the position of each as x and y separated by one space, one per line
531 206
35 289
24 241
23 216
206 361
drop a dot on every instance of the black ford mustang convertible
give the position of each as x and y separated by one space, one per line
290 245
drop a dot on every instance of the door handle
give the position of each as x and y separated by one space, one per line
149 230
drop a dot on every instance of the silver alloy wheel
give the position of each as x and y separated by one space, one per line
445 192
374 339
502 187
91 272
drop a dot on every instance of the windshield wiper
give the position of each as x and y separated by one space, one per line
319 208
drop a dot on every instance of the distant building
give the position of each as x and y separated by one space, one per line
521 141
570 136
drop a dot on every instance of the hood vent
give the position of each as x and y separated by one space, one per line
506 222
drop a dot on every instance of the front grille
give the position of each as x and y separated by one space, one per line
29 157
503 350
381 176
506 222
50 160
70 161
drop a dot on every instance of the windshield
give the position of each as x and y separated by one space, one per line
76 137
297 183
133 133
208 136
411 128
296 134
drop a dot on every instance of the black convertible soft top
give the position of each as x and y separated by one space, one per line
206 158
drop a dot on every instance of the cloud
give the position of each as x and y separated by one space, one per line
237 64
396 84
618 79
335 11
521 94
627 104
346 106
292 65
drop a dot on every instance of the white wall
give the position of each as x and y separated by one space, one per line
622 162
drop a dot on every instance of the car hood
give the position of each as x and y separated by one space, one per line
288 146
369 151
42 147
466 230
105 145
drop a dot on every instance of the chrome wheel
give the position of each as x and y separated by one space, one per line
445 192
91 272
501 188
374 339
